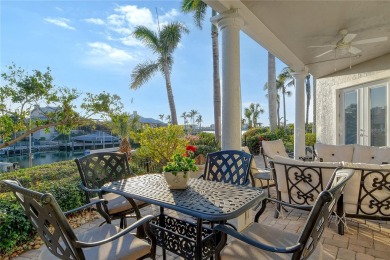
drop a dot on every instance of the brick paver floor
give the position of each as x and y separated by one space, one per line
363 239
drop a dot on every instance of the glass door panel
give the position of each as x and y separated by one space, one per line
350 117
378 116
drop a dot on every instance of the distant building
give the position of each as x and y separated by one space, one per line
148 121
41 113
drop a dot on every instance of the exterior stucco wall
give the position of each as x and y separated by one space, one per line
327 100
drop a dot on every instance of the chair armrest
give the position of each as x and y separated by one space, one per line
90 190
250 241
303 207
142 221
85 206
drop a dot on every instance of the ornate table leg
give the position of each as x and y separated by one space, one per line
198 246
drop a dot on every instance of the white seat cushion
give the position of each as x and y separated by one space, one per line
117 203
238 249
334 153
371 154
273 148
125 247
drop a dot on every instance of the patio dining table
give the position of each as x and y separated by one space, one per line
204 200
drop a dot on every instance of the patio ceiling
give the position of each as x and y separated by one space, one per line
288 28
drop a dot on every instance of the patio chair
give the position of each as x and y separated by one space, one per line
269 149
99 168
260 241
229 166
103 242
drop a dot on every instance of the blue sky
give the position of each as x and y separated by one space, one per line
88 46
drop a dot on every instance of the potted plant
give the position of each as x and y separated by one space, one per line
176 171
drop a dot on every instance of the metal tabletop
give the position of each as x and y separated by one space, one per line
213 201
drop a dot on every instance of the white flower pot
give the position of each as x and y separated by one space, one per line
176 182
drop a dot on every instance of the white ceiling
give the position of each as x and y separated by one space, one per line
287 28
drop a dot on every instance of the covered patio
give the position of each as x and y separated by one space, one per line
344 45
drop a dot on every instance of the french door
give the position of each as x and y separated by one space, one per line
365 115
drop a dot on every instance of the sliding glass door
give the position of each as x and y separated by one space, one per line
365 116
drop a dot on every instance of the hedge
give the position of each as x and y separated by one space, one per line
60 179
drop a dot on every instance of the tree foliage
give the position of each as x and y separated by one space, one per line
22 92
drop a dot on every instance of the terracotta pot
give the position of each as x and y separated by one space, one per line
176 182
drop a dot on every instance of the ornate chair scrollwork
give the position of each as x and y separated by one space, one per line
259 241
103 242
99 168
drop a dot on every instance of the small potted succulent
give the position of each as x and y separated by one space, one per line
176 171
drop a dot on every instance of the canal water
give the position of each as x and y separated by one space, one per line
43 158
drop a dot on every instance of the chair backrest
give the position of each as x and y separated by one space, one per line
299 182
229 166
322 212
46 216
270 149
99 168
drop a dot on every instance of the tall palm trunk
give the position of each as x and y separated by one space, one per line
217 82
272 92
308 97
278 112
284 107
171 100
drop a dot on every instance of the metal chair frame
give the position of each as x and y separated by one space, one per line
229 166
52 226
99 168
318 219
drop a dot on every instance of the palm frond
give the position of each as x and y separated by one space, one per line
170 36
198 8
142 73
147 37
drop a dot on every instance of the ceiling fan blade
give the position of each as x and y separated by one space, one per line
349 37
354 50
322 54
321 46
372 40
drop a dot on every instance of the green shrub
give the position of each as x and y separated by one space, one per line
253 144
161 143
60 179
310 139
205 149
254 132
206 139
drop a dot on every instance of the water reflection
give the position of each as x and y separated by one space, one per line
43 158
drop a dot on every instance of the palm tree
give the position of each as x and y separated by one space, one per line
192 115
272 93
277 100
308 98
199 8
163 44
161 116
184 115
256 110
248 115
286 80
169 119
199 120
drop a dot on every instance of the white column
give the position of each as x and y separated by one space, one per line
230 24
299 125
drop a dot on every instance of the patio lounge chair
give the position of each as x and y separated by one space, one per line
259 241
99 168
103 242
269 149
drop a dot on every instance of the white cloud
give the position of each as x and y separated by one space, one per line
94 21
62 22
59 9
104 53
127 17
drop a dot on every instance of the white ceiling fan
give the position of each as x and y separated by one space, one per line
346 45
